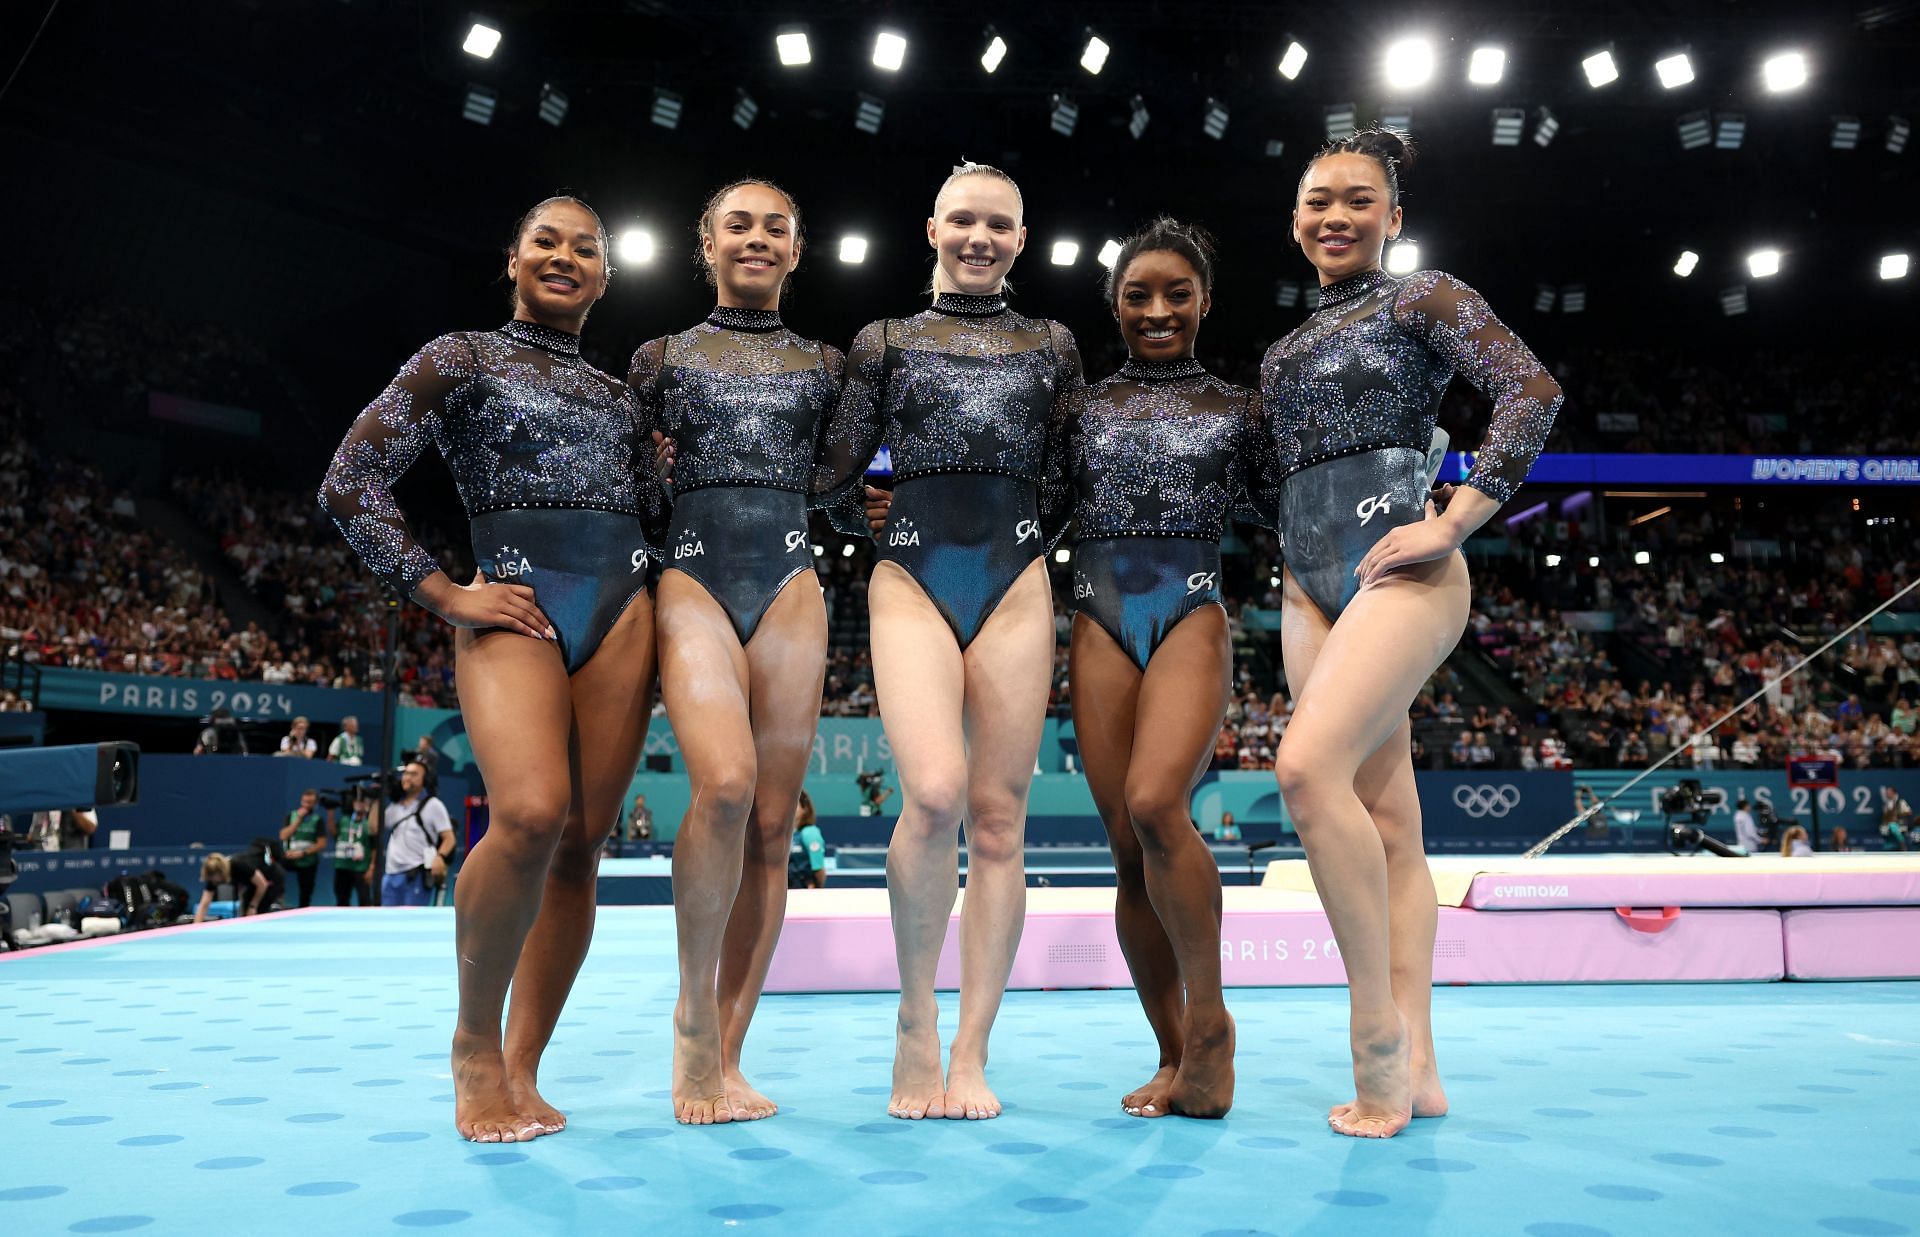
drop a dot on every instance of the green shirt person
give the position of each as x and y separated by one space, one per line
304 837
354 839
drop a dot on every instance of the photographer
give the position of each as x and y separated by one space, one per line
297 744
874 792
304 836
221 735
419 842
353 843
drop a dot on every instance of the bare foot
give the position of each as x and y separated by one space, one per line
918 1090
746 1101
969 1098
699 1084
1429 1097
1204 1085
529 1103
483 1111
1150 1100
1382 1083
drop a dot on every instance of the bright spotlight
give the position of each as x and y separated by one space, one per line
1488 66
1893 266
1214 124
1786 71
1687 261
1762 263
1642 558
995 53
481 41
1066 253
853 249
819 551
793 48
1675 71
1716 557
635 246
1600 69
889 51
1094 58
1109 253
1553 560
846 551
1593 560
1409 63
1062 554
1403 258
1293 61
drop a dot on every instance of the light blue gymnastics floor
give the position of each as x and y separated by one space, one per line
290 1074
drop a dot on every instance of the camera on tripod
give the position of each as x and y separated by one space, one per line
1687 803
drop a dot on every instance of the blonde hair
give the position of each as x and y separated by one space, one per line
1795 834
965 168
216 869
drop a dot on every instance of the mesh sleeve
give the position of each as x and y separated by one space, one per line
1069 399
852 434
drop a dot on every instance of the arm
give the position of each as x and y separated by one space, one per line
286 830
850 433
206 901
1456 323
260 888
653 449
1063 426
1256 496
86 821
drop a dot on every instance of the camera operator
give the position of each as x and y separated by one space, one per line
874 792
66 829
353 842
419 842
304 837
297 744
221 736
1746 830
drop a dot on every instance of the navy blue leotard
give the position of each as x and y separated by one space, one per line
1160 454
973 400
744 400
544 451
1353 392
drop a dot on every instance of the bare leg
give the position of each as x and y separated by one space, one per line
1183 699
918 676
787 663
1106 693
1009 670
1362 677
704 677
612 700
517 705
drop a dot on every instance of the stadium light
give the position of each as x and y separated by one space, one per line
1553 560
1845 133
1064 115
1593 560
1784 71
1695 129
479 104
1273 581
1545 125
1286 293
1403 258
1763 263
1397 117
1275 148
1508 124
819 551
1214 125
482 40
1409 63
1544 295
1600 69
870 112
1293 60
1729 130
1898 130
889 51
1688 259
1066 253
1488 66
793 47
846 551
1641 558
1893 266
1094 57
853 250
1062 554
1674 71
1733 301
1109 253
667 107
1340 117
744 109
995 53
635 246
1716 557
1138 116
1573 299
553 106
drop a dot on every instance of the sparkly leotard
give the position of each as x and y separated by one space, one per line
973 399
744 399
1160 454
543 450
1352 393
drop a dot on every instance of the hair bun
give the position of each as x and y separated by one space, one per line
1385 144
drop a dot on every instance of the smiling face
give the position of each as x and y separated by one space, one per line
1160 303
558 267
750 245
1342 217
976 234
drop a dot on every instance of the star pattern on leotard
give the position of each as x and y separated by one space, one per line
1159 457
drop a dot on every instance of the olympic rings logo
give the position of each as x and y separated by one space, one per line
1482 801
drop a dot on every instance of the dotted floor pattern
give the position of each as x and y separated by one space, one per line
295 1070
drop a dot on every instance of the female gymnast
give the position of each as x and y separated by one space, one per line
545 452
1159 454
1376 588
742 627
973 399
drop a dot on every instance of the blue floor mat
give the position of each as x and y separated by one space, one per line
291 1072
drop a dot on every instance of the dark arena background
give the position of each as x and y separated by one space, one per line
231 222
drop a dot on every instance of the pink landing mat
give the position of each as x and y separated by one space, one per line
844 943
1853 942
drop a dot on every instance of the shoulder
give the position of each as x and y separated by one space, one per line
453 354
648 357
872 336
1428 288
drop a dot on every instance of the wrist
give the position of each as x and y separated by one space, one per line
436 592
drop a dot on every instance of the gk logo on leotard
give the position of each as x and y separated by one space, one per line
510 562
1025 531
1369 507
795 540
639 560
1486 800
1199 580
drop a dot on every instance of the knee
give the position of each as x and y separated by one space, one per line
1308 783
577 858
529 816
1158 812
725 793
939 801
995 833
